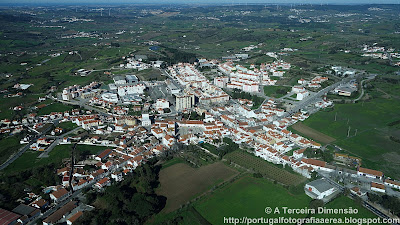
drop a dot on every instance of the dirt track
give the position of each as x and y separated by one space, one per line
314 134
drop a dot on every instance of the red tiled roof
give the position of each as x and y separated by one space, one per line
376 185
59 193
314 162
6 217
369 171
75 216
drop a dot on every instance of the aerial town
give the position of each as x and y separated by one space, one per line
95 139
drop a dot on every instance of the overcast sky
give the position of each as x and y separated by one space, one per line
198 1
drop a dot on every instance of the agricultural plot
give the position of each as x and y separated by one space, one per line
55 107
363 130
248 197
314 134
181 183
267 169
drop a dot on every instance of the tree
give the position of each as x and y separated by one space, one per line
314 175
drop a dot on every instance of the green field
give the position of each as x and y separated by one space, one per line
210 147
67 126
55 107
172 162
8 146
343 202
248 197
371 143
276 91
29 159
267 169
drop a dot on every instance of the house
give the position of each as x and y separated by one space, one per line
301 81
378 187
59 194
81 184
7 217
298 153
168 140
61 213
302 95
319 189
146 120
357 191
40 203
158 133
74 217
117 176
103 155
28 213
102 183
392 183
374 174
316 164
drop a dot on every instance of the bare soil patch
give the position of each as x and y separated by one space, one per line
181 183
314 134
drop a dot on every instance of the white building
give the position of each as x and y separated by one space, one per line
319 189
302 95
161 104
378 187
374 174
131 89
110 97
146 120
184 101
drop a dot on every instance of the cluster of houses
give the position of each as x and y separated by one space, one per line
300 90
378 52
75 91
10 127
135 139
249 80
196 86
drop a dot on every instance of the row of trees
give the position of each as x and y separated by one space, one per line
391 203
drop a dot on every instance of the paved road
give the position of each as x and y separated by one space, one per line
314 97
83 104
364 203
26 147
55 143
55 207
66 200
362 88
